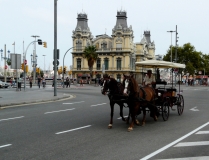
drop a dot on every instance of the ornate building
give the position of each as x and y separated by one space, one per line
117 53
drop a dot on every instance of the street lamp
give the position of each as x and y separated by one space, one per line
5 61
171 42
34 54
44 62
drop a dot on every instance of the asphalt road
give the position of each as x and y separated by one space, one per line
76 129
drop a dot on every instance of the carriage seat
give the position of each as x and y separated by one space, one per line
161 82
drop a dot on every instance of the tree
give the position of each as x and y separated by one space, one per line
193 59
91 56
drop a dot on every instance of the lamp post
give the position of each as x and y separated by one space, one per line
171 42
34 64
44 61
5 61
34 55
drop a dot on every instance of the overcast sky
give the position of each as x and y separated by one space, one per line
20 19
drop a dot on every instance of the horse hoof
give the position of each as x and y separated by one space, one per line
143 124
155 118
137 122
109 126
130 129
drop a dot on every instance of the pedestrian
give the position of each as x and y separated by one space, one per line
43 82
19 83
30 81
67 82
81 82
39 81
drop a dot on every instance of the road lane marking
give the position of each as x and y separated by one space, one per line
5 145
189 158
59 111
203 132
187 144
74 102
194 109
174 142
73 129
11 118
98 104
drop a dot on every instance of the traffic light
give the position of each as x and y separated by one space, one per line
45 44
36 70
39 41
39 70
64 70
26 69
22 66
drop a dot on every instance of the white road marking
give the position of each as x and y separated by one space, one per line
60 111
121 117
189 158
11 118
74 102
194 109
98 104
174 142
187 144
73 129
203 132
5 145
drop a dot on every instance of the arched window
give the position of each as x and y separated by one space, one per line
106 63
79 64
119 63
78 45
98 64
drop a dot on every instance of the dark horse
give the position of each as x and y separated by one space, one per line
114 90
139 99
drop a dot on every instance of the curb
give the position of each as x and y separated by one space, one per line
9 105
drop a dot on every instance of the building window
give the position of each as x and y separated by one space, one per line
78 64
118 77
118 63
104 45
119 46
99 64
78 45
106 63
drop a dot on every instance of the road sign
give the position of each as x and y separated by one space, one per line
25 61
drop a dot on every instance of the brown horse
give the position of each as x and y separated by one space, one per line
114 90
139 99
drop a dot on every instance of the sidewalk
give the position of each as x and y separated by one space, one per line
10 97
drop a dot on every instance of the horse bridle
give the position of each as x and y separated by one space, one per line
102 87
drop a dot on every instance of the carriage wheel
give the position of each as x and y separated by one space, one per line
180 105
165 110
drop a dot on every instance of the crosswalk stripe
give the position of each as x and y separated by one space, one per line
189 158
186 144
203 132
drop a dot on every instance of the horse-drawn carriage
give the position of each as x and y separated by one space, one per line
155 100
167 96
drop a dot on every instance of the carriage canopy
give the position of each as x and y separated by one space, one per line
159 64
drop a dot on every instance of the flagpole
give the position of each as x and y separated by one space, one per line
5 64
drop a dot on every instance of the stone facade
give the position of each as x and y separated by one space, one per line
117 53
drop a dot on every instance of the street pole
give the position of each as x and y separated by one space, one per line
24 62
171 56
176 54
55 47
5 63
63 65
34 56
44 62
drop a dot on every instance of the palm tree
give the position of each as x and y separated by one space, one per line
91 56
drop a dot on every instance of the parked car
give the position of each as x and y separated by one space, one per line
4 84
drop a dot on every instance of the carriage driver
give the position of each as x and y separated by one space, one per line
149 79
